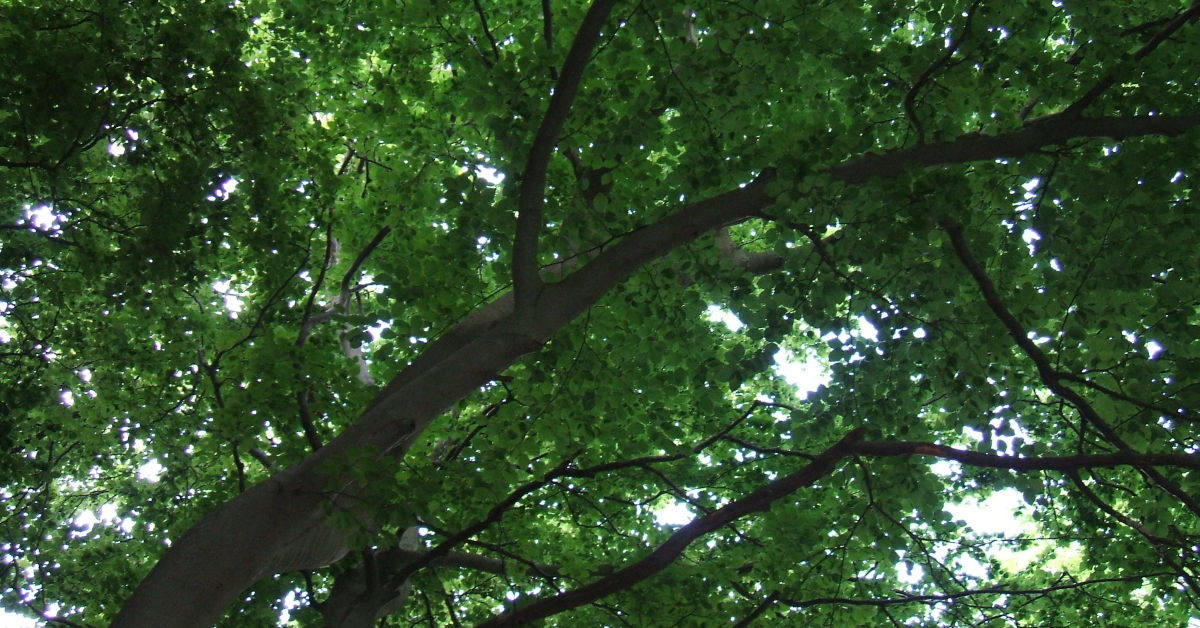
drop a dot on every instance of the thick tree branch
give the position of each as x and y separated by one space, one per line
282 522
530 197
1031 137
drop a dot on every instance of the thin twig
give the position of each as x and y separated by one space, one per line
910 99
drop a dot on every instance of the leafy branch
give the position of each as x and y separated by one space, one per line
1191 14
822 464
1046 372
913 598
1121 458
667 552
910 98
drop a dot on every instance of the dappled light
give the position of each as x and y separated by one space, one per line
610 313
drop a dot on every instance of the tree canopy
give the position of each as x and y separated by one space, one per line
452 313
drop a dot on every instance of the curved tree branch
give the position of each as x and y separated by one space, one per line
487 31
823 464
282 521
668 551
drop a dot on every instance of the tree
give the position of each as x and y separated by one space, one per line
426 313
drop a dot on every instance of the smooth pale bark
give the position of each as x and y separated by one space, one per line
278 525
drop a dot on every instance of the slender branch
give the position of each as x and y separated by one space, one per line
494 514
668 551
1102 86
1018 333
910 99
758 610
1046 371
946 597
487 31
762 498
308 321
345 165
1044 463
548 24
1091 496
241 467
306 419
262 457
272 299
62 621
777 451
1116 394
548 34
466 560
1156 542
344 292
532 190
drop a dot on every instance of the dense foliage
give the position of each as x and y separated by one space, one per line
431 313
